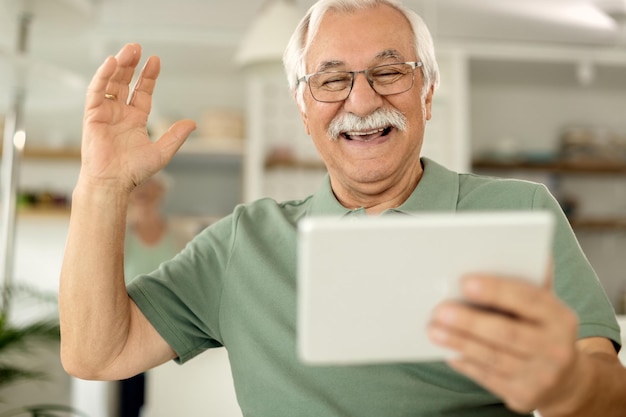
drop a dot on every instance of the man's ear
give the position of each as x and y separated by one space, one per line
428 103
305 119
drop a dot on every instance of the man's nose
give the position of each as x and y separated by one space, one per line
363 99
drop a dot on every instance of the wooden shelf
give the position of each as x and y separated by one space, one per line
573 167
192 147
50 153
61 153
43 212
599 224
588 167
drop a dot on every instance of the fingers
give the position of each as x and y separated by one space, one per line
114 76
483 333
514 338
141 96
174 138
509 314
97 87
127 60
513 296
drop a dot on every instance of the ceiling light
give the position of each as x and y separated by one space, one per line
269 33
614 8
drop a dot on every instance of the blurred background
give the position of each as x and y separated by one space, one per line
532 89
198 42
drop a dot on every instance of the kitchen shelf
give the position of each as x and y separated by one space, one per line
43 212
45 153
50 153
192 147
599 224
580 167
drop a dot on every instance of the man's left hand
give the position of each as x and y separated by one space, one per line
516 339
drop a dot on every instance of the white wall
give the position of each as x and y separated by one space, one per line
202 386
536 115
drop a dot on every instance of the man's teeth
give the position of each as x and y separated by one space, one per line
365 133
367 136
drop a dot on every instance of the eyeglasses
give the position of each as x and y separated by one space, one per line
386 80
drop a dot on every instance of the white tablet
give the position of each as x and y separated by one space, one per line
367 285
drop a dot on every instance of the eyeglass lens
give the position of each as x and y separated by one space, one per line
386 80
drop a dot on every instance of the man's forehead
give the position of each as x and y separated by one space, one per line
383 56
369 36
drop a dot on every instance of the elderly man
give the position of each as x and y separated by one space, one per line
363 73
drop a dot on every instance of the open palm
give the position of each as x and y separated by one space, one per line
116 149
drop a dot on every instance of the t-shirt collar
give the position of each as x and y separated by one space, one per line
438 190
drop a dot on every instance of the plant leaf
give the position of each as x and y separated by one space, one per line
10 374
12 337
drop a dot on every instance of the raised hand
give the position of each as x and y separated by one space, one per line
116 149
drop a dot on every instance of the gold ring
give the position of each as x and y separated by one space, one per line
110 96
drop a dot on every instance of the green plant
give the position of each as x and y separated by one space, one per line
44 411
20 338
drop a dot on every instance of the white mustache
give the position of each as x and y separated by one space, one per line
381 118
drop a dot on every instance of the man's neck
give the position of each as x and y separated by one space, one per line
378 202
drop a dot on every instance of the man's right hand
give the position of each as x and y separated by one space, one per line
116 148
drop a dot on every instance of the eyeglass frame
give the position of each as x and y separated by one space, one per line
413 64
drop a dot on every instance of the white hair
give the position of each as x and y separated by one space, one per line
297 48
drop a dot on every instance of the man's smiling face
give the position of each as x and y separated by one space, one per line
366 156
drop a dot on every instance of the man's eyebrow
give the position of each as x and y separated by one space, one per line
335 64
390 54
329 65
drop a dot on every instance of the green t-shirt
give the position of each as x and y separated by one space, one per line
234 285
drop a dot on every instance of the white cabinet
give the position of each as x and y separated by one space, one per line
275 131
446 139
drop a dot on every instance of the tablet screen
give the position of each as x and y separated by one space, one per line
367 286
